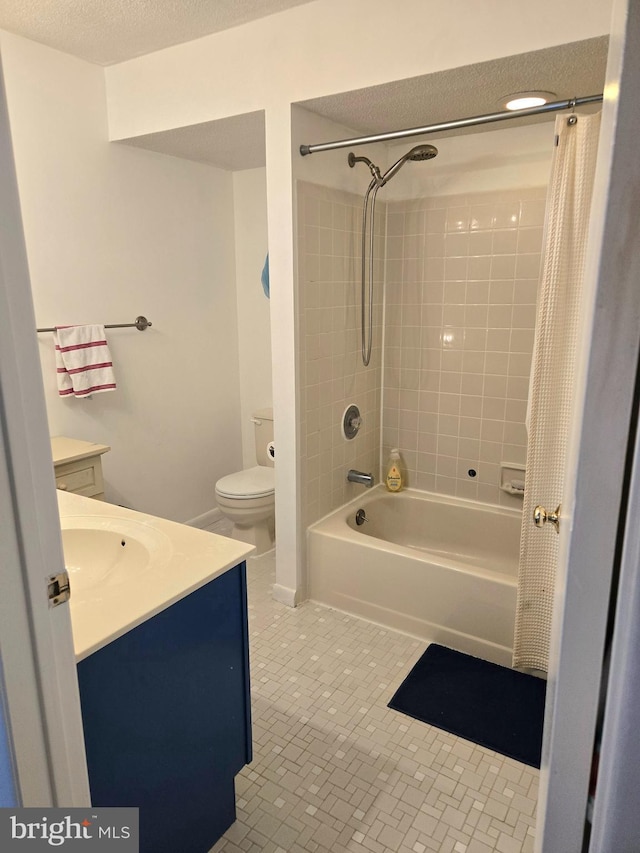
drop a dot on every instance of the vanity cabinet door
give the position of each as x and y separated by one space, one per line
167 718
83 477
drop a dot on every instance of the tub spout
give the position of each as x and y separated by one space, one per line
359 477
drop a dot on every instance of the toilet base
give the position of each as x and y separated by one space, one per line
261 534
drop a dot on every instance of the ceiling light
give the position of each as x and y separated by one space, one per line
524 100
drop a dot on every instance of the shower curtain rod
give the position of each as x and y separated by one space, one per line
553 106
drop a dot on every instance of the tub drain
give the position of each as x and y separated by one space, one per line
361 517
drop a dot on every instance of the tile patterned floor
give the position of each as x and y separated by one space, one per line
335 770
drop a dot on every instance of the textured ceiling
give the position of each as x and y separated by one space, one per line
108 31
569 70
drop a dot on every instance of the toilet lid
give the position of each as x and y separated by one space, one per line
257 482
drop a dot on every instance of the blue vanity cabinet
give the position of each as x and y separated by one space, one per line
166 714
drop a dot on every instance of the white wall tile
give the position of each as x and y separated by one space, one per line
461 285
333 375
481 263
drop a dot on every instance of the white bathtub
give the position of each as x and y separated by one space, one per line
443 569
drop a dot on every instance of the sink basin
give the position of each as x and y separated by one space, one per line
100 551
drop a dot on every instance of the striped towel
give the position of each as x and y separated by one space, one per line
83 361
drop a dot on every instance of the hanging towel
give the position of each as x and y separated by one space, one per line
83 361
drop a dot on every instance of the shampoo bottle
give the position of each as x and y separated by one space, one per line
394 476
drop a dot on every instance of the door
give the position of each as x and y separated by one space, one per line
44 762
593 495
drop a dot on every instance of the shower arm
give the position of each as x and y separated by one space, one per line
375 171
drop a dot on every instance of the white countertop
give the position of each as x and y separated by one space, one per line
72 449
184 559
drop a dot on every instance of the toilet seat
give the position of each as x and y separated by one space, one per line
256 482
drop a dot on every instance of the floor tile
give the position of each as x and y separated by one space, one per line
335 770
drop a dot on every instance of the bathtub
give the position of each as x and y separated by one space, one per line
443 569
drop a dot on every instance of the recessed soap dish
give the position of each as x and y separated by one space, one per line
512 476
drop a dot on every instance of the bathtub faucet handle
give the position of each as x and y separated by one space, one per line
359 477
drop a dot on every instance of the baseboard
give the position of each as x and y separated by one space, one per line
284 594
206 519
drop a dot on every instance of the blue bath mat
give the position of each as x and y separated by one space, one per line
491 705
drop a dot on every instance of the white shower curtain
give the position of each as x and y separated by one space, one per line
552 378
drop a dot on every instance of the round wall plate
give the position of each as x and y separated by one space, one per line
351 422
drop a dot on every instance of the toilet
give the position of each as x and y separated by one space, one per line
247 498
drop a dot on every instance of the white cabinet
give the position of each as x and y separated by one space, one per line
78 466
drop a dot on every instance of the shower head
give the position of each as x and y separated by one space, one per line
419 152
422 152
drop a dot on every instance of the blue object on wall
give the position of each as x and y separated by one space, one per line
264 278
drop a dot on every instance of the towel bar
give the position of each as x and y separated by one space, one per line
141 324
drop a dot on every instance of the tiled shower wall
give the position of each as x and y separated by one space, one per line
331 374
461 284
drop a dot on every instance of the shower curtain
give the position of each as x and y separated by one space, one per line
552 378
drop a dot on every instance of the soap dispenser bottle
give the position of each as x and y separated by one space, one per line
393 479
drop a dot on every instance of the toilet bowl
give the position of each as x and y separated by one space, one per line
247 498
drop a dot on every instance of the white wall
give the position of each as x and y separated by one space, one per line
331 46
503 158
487 160
254 330
331 169
112 232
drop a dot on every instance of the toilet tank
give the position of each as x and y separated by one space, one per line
263 426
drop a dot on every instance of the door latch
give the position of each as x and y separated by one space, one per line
541 516
58 588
